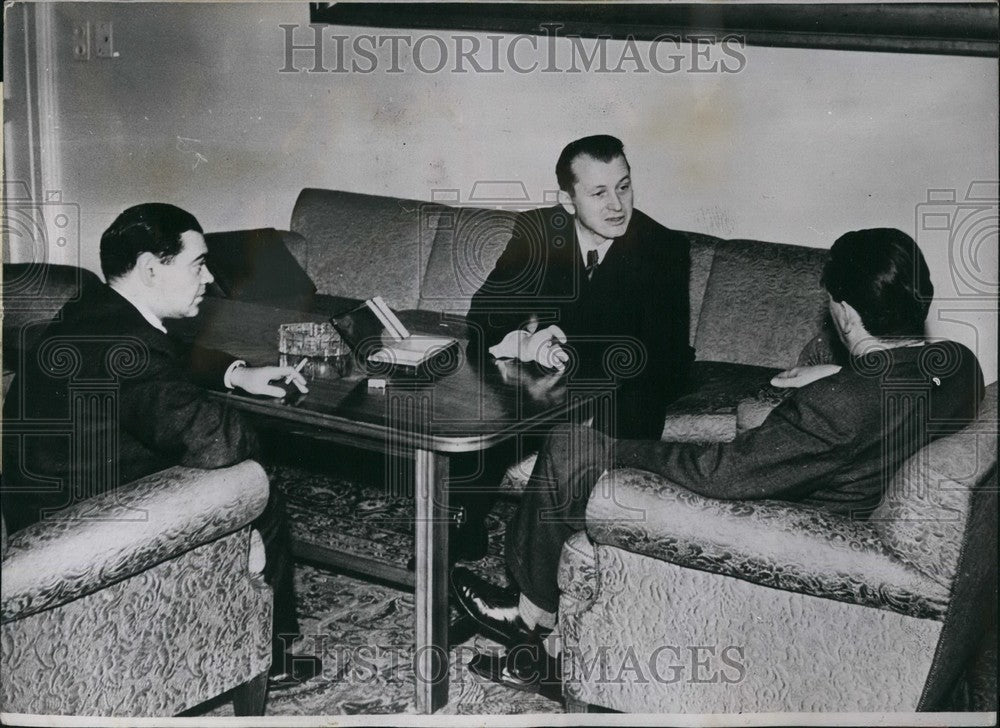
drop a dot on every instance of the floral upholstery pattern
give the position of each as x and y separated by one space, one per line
780 545
155 644
662 638
927 506
145 601
113 536
824 613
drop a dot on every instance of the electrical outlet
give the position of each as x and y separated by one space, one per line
104 40
81 41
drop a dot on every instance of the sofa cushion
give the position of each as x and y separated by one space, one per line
710 412
762 304
255 265
468 242
359 246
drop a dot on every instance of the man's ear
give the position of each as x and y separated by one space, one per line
567 202
849 321
851 315
145 267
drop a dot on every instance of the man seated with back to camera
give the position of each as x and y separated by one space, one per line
153 259
594 279
823 446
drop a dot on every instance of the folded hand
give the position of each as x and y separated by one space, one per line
544 347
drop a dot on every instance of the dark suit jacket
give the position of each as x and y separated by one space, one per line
628 325
835 442
110 398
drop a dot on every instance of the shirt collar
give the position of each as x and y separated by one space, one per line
143 310
601 248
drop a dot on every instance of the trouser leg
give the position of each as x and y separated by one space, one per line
554 506
279 573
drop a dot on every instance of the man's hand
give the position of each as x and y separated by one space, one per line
801 376
257 380
537 345
543 347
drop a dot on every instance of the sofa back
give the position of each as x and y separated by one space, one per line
762 303
357 245
751 302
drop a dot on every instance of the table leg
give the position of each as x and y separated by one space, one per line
430 662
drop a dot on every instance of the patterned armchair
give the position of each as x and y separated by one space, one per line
677 603
146 601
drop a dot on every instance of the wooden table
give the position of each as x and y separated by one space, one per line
472 409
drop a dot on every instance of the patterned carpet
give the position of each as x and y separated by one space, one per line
364 630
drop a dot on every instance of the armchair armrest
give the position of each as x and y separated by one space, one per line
773 543
118 534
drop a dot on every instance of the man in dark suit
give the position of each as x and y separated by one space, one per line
832 444
157 413
594 287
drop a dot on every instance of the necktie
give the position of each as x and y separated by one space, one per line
591 263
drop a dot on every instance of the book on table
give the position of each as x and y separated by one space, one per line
378 338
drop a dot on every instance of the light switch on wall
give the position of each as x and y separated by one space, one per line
81 41
104 40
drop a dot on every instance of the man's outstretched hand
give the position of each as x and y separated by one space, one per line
801 376
543 346
257 380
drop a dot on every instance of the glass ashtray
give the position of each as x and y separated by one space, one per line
326 355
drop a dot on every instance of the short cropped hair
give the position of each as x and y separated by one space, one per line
601 147
883 275
153 227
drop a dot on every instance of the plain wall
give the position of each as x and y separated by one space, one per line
799 146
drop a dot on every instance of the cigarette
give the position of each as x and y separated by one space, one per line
298 368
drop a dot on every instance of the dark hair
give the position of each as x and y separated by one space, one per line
153 227
883 275
601 147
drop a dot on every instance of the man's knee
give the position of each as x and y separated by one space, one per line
577 442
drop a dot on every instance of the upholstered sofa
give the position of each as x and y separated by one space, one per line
754 306
145 601
830 614
141 602
707 606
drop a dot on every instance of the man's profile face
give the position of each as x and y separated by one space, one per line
601 198
180 283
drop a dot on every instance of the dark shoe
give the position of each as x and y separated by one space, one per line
290 671
526 667
493 609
